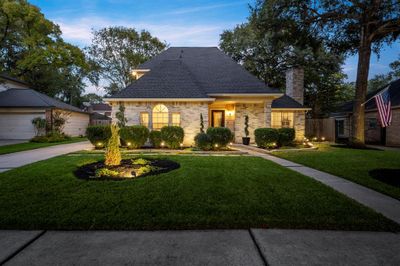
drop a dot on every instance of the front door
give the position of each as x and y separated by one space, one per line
217 118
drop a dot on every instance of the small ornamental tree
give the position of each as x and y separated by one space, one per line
113 155
120 115
246 126
201 123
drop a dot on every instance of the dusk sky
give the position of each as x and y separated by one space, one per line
178 22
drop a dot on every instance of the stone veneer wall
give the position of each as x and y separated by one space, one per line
300 124
257 118
190 115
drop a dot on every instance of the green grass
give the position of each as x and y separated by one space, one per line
34 145
205 193
352 164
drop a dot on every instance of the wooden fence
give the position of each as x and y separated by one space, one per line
321 127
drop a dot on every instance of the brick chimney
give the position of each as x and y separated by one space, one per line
295 83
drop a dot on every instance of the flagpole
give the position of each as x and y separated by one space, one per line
387 87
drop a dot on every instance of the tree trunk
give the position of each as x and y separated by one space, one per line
364 54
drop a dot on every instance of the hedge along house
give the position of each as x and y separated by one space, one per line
19 105
176 86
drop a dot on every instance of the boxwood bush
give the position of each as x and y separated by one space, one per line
155 138
98 135
203 141
286 136
134 136
220 136
266 137
172 136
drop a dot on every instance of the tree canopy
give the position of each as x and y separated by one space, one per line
267 45
115 51
31 48
351 27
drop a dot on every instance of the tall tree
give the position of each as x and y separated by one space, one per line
353 27
115 51
267 45
31 48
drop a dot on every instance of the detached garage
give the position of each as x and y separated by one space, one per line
19 106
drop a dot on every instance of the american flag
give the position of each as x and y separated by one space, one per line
383 103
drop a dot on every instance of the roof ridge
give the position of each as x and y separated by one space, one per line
194 78
42 98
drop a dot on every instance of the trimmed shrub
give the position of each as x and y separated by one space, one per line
220 136
203 141
155 138
98 135
266 137
113 155
286 136
134 136
51 137
172 136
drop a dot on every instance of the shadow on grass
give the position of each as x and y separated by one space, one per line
387 176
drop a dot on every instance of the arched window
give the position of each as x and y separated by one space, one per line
160 116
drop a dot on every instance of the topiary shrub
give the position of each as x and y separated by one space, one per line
134 136
155 138
172 136
113 155
220 136
266 137
98 135
286 136
203 141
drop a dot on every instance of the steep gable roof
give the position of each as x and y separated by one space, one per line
28 98
193 72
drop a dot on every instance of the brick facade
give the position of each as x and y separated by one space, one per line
190 115
259 116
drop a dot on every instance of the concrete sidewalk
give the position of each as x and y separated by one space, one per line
379 202
17 159
202 247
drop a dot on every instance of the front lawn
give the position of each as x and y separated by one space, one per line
205 192
352 164
34 145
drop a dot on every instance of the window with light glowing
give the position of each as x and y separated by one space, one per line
160 116
282 119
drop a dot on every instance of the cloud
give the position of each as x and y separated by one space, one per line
181 11
79 31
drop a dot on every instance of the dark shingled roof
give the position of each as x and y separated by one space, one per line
7 77
394 91
286 102
193 72
97 116
100 106
28 98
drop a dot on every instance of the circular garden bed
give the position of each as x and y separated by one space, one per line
128 169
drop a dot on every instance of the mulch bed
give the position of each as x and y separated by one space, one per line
388 176
87 172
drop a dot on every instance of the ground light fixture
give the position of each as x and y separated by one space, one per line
216 145
181 144
129 144
162 144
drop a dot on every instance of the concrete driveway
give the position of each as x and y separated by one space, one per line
4 142
17 159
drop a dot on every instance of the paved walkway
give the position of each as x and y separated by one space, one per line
216 247
384 148
17 159
381 203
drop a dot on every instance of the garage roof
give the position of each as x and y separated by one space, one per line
28 98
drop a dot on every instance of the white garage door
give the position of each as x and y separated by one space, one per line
17 126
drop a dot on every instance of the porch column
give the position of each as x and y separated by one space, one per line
267 113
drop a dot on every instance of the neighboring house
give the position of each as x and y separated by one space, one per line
100 108
19 105
7 82
181 83
100 113
374 133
